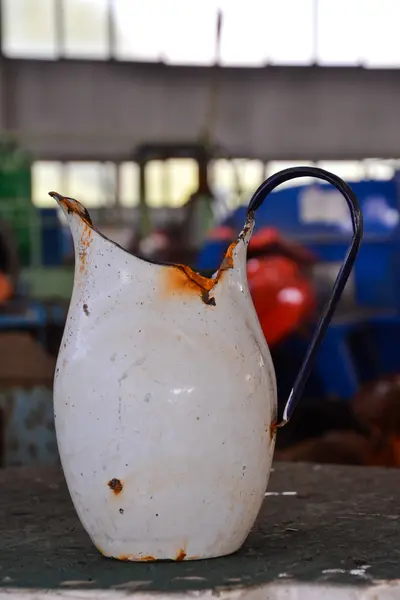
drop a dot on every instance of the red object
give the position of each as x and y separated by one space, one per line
283 296
222 233
6 288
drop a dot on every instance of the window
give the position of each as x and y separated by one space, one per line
129 184
139 31
169 183
156 183
224 180
379 169
86 28
277 165
47 176
289 32
254 33
183 177
92 183
28 28
350 170
236 180
244 33
381 22
249 174
340 32
189 32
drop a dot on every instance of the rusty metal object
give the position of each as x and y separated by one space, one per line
179 397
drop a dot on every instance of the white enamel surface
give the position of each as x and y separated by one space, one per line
171 396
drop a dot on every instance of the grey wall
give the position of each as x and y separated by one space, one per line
101 110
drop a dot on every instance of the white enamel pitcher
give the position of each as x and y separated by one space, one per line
165 395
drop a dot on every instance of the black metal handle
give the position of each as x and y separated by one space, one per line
357 221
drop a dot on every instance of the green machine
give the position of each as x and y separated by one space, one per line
16 208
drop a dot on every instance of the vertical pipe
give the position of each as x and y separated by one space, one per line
111 29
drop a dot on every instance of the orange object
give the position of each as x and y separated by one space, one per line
283 296
6 288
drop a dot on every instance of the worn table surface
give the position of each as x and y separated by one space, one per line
326 525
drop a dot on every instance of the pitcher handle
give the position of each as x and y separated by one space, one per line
357 221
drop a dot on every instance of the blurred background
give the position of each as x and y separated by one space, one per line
162 117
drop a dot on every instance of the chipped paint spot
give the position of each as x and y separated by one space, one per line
115 485
181 555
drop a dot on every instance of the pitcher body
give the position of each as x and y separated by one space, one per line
164 399
165 393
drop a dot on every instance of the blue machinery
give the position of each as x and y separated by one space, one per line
35 315
364 337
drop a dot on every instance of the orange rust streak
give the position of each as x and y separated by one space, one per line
71 207
85 242
273 428
182 278
137 558
181 555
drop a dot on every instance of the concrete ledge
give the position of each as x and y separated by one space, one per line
324 533
292 591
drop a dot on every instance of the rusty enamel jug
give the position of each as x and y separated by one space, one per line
165 396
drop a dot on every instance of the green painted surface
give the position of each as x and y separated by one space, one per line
45 283
15 200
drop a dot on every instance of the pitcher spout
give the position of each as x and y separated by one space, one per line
76 214
82 230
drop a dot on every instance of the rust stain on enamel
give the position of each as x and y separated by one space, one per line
74 207
273 428
183 280
180 555
137 558
86 240
115 485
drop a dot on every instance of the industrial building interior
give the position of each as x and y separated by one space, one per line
183 191
135 108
